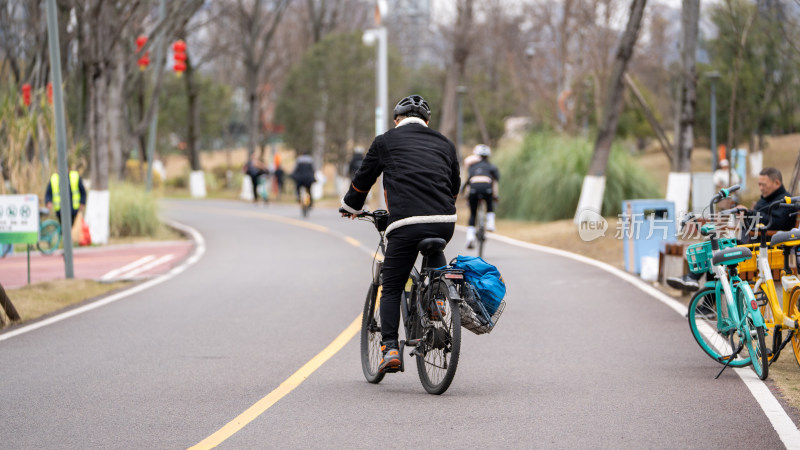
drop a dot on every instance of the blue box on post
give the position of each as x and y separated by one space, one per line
645 225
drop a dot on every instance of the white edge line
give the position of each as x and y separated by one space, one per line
138 262
781 422
148 266
199 250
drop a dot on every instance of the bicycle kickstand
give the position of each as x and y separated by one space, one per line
730 358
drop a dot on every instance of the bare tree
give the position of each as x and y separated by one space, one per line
255 23
594 182
462 45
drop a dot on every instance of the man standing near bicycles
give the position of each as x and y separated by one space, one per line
421 181
482 180
770 184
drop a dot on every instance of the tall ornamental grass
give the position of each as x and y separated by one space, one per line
541 178
27 150
133 212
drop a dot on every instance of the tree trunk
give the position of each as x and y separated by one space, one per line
7 306
593 187
98 128
616 89
666 147
684 136
455 72
191 131
735 85
116 102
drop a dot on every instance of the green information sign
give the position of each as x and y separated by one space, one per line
19 219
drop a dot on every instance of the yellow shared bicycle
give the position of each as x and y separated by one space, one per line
780 314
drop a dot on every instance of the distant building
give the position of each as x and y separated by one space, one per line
410 29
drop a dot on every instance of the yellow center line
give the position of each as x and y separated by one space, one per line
260 215
304 372
287 386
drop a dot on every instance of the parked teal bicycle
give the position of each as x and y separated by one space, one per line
724 315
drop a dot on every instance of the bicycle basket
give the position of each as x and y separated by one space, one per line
474 316
699 255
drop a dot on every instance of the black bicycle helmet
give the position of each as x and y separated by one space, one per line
413 106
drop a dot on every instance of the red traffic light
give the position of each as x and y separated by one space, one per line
26 94
179 54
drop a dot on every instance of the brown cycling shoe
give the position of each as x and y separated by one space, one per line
391 358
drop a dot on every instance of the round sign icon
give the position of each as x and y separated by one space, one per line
591 225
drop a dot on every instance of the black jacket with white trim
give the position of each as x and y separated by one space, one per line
421 176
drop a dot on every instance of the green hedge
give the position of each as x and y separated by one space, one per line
541 178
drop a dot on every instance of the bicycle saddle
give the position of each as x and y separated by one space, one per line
732 256
786 238
431 245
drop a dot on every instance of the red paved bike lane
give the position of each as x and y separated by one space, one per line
107 263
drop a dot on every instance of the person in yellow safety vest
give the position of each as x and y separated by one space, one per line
76 197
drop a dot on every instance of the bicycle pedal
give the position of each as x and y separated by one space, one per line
413 342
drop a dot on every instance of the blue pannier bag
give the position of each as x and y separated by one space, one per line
485 278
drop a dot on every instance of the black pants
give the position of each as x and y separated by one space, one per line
401 253
478 192
74 213
308 188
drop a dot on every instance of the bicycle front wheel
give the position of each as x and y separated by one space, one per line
438 352
703 322
754 336
794 314
371 336
49 237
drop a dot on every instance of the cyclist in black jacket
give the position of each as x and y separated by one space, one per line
482 179
421 181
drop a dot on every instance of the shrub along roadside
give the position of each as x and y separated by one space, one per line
133 212
541 178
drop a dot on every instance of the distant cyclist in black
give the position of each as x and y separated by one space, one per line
303 175
482 179
421 181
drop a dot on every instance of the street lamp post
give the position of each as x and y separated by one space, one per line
381 80
714 76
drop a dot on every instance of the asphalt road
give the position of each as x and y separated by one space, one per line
580 358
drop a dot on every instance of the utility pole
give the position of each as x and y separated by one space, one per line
61 137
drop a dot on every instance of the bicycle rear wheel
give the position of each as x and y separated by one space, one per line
439 350
753 335
371 336
305 200
703 323
794 314
49 237
480 234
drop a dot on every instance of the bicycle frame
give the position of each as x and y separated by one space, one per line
729 289
766 283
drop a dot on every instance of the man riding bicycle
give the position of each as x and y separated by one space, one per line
482 179
421 181
303 175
